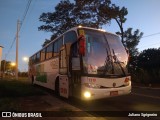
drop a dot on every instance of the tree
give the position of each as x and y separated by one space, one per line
91 13
68 15
148 63
60 20
88 12
6 66
116 13
149 59
119 16
131 40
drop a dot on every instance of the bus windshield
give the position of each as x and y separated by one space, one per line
105 54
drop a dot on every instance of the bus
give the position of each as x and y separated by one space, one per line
83 62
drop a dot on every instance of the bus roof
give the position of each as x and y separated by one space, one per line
102 30
73 29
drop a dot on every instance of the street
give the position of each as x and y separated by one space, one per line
142 100
142 103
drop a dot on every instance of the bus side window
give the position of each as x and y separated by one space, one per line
37 57
57 45
60 43
34 59
31 61
49 51
56 48
70 37
43 54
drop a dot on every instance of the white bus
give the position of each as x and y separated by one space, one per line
83 62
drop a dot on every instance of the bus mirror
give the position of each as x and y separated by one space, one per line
127 50
82 45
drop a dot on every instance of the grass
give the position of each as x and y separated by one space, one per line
11 89
9 104
17 88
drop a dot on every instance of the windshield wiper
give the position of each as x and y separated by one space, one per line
118 62
108 62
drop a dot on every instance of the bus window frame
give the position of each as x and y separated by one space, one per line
64 37
50 45
41 60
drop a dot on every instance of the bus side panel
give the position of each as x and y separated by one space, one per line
46 73
64 86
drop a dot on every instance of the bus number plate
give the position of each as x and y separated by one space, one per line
113 93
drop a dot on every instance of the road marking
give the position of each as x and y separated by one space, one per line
145 95
147 87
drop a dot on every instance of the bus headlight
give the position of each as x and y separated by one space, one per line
92 85
87 94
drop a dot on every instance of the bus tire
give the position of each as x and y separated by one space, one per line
57 86
32 80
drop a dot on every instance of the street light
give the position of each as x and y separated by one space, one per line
13 64
25 59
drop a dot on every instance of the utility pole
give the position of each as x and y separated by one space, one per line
18 25
0 61
4 66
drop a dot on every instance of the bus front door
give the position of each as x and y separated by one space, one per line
75 72
63 76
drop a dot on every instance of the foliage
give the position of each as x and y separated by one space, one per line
46 42
149 66
6 66
120 19
149 59
131 40
89 12
23 74
116 13
60 20
95 13
68 15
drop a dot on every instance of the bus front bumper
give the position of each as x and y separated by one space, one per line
99 93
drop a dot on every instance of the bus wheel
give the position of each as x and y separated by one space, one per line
57 87
32 80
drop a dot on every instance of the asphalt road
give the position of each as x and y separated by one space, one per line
140 101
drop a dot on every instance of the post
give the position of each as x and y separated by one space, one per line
4 66
18 23
0 61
